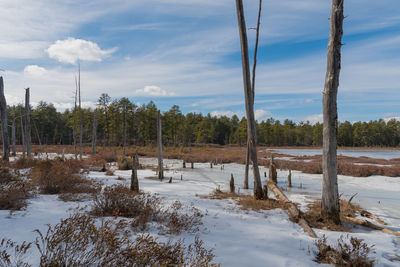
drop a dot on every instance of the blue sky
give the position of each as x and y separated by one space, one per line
187 52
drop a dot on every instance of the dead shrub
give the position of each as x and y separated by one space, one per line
79 241
24 163
144 208
354 252
13 191
109 172
12 254
54 177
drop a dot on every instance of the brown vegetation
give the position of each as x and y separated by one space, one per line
57 177
80 241
13 190
144 208
354 252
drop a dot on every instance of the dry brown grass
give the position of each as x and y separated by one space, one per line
24 163
348 253
80 241
248 202
145 208
313 216
57 177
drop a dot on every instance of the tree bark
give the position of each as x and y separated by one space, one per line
13 141
124 134
289 178
246 176
94 135
28 140
134 178
75 109
159 144
251 126
330 195
80 114
4 121
22 132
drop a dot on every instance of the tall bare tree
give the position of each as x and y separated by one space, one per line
253 82
28 138
251 125
80 113
94 137
330 193
22 132
13 142
4 122
159 144
75 119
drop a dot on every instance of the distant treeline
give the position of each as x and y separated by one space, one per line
53 127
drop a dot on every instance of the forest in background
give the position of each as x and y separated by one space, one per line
54 127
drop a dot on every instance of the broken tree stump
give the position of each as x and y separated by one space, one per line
232 184
273 176
289 179
134 178
184 164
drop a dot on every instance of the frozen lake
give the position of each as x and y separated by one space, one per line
376 154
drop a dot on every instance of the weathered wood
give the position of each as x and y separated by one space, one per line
184 163
251 126
94 133
4 122
13 142
28 140
246 171
22 133
294 212
371 225
80 114
289 179
232 184
273 175
124 133
159 144
75 119
134 178
192 165
211 165
330 193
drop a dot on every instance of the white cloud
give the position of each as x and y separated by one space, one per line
392 118
313 119
152 90
71 50
222 113
261 114
34 70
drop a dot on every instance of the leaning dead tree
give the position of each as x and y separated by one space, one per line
94 137
253 82
251 126
330 193
28 140
4 122
159 144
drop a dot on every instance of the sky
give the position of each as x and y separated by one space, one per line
187 53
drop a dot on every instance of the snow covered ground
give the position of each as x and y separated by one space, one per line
239 238
377 154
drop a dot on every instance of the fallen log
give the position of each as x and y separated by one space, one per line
294 212
371 225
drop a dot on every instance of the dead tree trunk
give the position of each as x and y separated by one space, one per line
28 140
13 141
134 178
22 133
159 144
246 175
289 179
94 135
80 114
4 121
75 109
251 126
330 195
273 175
124 134
232 184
